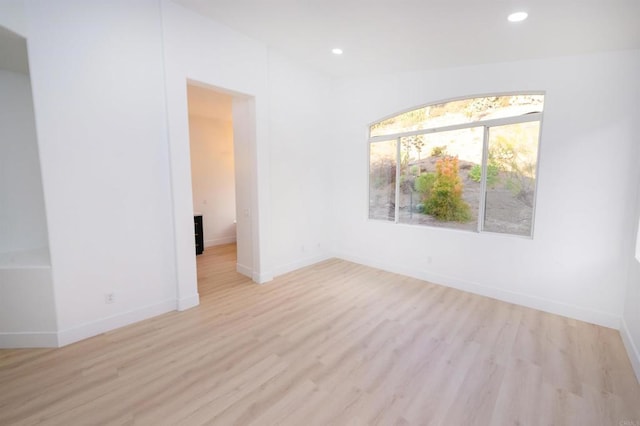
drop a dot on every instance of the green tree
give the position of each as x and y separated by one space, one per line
445 202
424 184
493 174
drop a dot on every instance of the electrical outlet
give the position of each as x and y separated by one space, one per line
109 298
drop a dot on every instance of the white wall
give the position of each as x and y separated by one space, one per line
576 265
250 248
201 50
212 165
281 190
27 308
109 84
301 124
96 72
631 319
22 215
12 16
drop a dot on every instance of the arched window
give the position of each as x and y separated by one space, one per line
468 164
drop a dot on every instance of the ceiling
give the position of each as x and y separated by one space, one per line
381 36
14 52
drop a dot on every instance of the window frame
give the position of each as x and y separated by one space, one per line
487 125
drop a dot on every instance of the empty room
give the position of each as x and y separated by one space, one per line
319 212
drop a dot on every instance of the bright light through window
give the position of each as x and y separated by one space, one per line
467 164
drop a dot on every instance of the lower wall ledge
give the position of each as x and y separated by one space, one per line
75 334
188 302
84 331
47 339
219 241
302 263
244 270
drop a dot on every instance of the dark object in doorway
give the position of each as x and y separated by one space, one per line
197 225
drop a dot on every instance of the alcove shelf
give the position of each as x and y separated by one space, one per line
27 299
37 258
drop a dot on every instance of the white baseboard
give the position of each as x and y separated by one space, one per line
631 347
576 312
219 241
29 340
84 331
244 270
302 263
254 276
188 302
94 328
262 278
265 277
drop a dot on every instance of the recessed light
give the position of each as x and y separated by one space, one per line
336 51
517 16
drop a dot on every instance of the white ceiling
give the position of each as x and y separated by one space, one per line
13 52
380 36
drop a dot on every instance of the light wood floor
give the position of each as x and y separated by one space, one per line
335 343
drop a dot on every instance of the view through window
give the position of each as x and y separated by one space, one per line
468 164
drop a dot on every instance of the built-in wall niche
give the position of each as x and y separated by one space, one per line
23 230
27 303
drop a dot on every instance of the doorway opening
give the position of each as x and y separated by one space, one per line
219 176
212 165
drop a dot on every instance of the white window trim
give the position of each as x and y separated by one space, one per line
487 124
495 122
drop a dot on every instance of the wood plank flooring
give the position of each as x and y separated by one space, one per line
335 343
